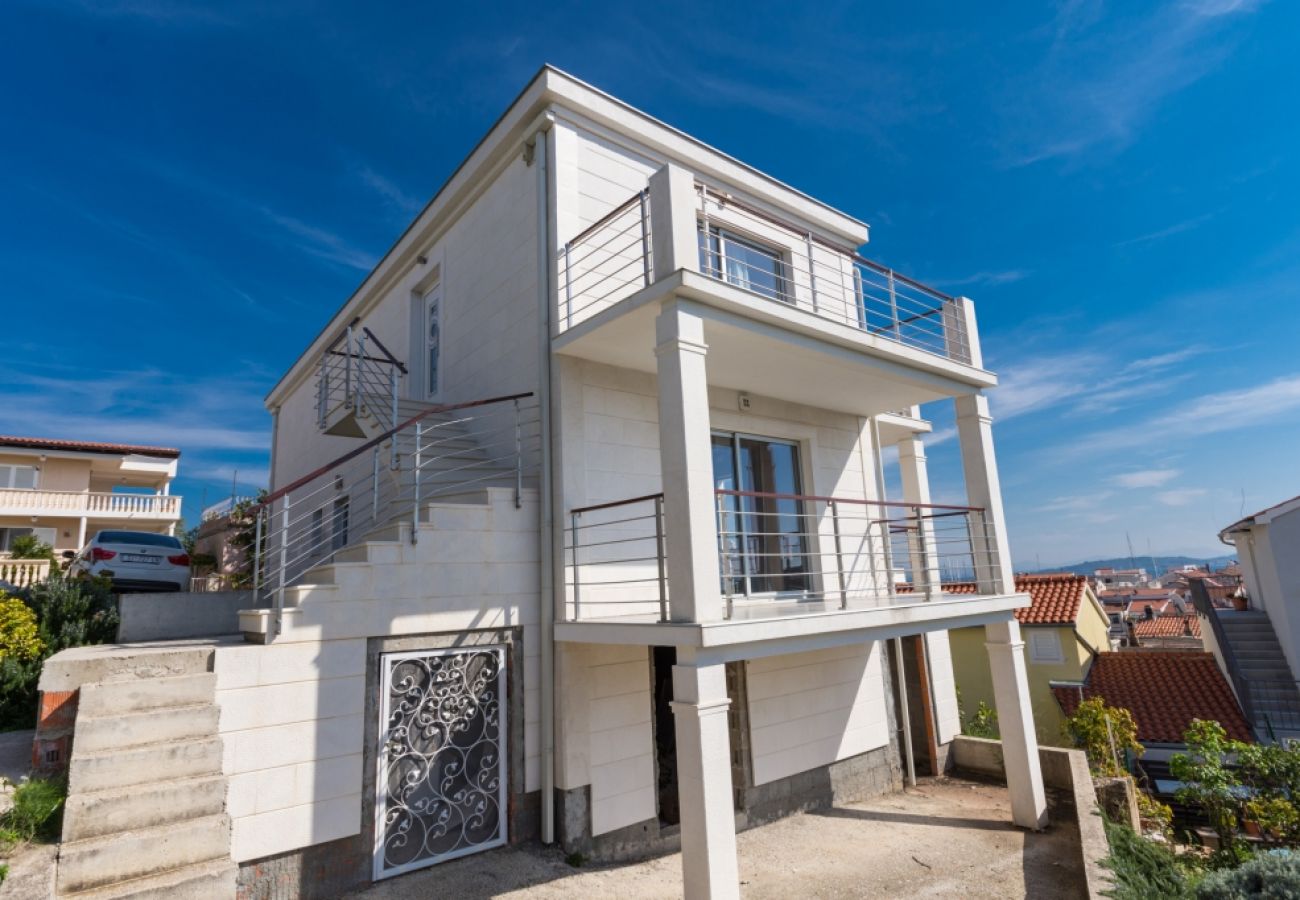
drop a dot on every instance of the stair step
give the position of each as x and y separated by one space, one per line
110 859
157 802
136 729
200 881
110 697
106 770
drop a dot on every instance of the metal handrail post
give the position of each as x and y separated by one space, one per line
923 554
374 488
568 289
257 557
519 460
893 308
278 603
573 540
394 378
347 370
839 555
812 275
322 389
415 473
660 554
645 236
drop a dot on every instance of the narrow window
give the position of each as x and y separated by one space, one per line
745 263
433 340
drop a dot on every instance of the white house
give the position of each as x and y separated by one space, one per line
577 526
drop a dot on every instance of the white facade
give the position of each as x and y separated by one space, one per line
1268 549
649 363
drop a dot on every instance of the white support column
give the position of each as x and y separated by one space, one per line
686 462
81 533
673 238
1016 723
709 866
994 572
916 490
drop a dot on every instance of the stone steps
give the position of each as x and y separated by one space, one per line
126 855
200 881
121 768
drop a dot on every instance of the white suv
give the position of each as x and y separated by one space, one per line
135 561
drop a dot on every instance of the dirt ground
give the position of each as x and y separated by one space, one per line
945 838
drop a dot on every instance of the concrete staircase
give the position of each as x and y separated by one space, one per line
145 815
1273 695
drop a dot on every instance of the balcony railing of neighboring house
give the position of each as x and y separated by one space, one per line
105 504
445 449
781 549
222 508
357 371
24 572
767 256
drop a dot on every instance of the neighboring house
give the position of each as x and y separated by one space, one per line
577 528
1165 690
65 491
1174 631
1259 648
1119 578
216 538
1064 628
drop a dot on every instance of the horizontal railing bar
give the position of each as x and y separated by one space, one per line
895 503
596 225
613 503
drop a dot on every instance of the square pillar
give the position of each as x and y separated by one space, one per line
993 570
1016 724
709 866
674 235
916 490
686 464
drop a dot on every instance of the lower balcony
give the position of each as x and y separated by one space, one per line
789 566
91 504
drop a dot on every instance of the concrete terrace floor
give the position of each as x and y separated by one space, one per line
945 838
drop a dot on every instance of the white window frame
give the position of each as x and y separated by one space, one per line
9 472
1037 638
431 373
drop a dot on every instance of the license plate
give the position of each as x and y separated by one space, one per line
139 558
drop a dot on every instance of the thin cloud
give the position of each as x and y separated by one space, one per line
1181 497
1178 228
322 244
1145 478
986 279
389 191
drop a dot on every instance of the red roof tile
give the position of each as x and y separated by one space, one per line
1054 599
1168 626
85 446
1138 608
1163 689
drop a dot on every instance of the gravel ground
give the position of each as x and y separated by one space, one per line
946 838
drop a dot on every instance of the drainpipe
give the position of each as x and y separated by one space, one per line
547 551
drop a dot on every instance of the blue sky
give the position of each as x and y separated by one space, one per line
188 190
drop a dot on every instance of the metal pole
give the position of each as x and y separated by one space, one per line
257 556
323 389
573 540
415 472
839 554
659 552
907 718
347 376
812 276
923 554
893 308
860 300
393 379
519 461
374 489
568 289
645 236
284 565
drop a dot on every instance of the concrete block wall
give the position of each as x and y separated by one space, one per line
292 712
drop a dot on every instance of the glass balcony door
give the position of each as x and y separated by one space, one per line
763 548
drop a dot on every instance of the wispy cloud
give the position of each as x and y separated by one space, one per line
1145 478
389 191
1181 497
320 243
1170 231
985 278
158 12
1103 76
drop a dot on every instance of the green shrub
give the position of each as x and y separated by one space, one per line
73 612
1211 785
37 812
1107 735
984 724
29 546
19 637
1143 869
1274 875
18 694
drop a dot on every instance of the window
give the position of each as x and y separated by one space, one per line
1045 646
745 263
432 341
763 549
21 477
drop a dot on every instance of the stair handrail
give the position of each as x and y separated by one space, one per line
375 441
384 350
1240 684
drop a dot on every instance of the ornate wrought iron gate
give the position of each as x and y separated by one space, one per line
441 788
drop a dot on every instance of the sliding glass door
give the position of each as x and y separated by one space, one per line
763 547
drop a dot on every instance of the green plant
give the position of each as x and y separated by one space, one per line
1274 875
19 633
1211 785
37 812
984 723
1277 817
73 612
1107 735
29 546
1143 869
243 519
1154 815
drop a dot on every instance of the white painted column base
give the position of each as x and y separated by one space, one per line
1016 724
709 866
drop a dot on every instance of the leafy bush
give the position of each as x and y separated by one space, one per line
1211 785
37 812
1107 735
1274 875
19 637
1154 815
29 546
1143 869
984 724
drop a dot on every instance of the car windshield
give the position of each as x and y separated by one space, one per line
139 538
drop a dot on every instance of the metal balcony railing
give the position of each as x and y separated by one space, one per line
444 450
357 371
756 251
781 548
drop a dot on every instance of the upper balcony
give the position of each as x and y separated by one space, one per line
105 505
851 334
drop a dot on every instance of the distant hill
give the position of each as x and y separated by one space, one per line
1163 564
